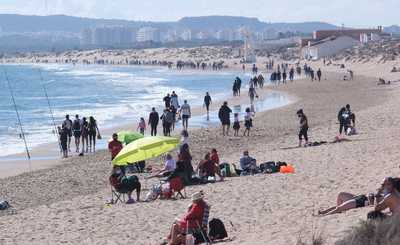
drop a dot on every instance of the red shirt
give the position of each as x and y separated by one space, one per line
114 147
214 158
194 217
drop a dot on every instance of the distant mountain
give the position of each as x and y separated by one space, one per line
392 29
11 23
61 23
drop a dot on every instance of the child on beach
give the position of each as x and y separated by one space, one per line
236 124
142 125
248 121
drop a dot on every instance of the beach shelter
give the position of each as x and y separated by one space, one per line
129 136
144 149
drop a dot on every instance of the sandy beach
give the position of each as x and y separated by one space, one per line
66 204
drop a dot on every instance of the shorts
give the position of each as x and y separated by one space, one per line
69 133
226 123
236 125
360 201
248 124
185 117
77 134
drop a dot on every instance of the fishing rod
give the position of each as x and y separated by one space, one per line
18 117
55 130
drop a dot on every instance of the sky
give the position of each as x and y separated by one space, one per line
352 13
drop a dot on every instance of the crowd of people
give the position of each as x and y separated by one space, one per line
85 133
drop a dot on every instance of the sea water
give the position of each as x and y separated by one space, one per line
114 95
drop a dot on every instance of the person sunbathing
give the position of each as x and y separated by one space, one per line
125 184
190 222
388 198
346 201
169 167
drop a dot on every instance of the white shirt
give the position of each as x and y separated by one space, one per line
170 165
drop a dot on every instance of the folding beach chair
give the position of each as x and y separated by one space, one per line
115 192
177 186
201 233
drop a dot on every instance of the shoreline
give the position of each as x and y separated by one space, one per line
47 155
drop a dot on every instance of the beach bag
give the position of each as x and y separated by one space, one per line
269 167
4 205
217 230
225 169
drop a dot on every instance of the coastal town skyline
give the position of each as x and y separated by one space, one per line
368 13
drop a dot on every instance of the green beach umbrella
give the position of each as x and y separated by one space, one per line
129 136
144 149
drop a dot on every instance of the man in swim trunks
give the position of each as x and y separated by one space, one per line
185 113
67 125
207 102
77 131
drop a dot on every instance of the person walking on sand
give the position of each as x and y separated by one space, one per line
207 103
224 115
153 121
94 132
185 114
236 124
141 126
248 122
114 146
67 125
77 130
319 75
303 132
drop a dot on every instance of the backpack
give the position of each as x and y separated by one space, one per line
269 167
217 230
4 205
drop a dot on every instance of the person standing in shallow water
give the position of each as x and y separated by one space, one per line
224 115
303 132
77 130
207 103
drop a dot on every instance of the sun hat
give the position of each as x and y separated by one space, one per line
197 196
